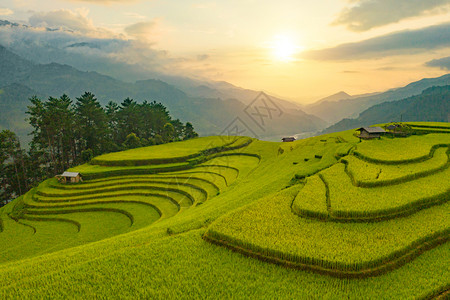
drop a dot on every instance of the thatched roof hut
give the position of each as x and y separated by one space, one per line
72 177
370 132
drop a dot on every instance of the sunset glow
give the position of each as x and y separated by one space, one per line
284 48
300 50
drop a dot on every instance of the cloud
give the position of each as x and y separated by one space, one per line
145 30
202 57
76 21
442 63
403 42
135 15
363 15
70 37
70 42
106 2
64 19
6 12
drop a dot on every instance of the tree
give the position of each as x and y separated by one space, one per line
60 131
87 155
160 118
158 139
13 172
37 165
129 119
189 132
92 122
178 129
168 133
132 141
146 123
42 137
65 134
112 114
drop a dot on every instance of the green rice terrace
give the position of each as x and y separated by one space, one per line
329 217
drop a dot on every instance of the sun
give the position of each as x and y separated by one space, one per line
284 48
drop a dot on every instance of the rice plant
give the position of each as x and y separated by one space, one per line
161 230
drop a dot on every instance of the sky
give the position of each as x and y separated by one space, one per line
297 49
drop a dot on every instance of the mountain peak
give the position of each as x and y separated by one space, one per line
333 98
341 94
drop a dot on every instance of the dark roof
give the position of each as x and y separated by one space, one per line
372 129
288 138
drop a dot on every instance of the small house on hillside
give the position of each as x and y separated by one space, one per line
72 177
370 132
288 139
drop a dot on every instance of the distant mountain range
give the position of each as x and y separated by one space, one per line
335 98
433 104
13 104
65 64
334 111
76 54
210 105
21 78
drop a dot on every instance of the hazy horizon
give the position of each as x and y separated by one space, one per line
298 51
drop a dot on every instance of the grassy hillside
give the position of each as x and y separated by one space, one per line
324 217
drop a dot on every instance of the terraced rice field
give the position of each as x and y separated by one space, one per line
343 218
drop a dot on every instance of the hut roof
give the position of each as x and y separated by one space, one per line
372 129
70 174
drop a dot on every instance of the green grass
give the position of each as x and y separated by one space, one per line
166 207
123 168
311 201
170 153
343 246
370 174
349 200
144 231
217 273
165 151
400 150
430 124
191 192
95 171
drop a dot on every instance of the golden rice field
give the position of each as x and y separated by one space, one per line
328 217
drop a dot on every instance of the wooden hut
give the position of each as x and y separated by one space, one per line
288 139
370 132
69 177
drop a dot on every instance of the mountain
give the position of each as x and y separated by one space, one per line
90 54
208 115
222 90
333 112
12 67
433 104
13 104
333 98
